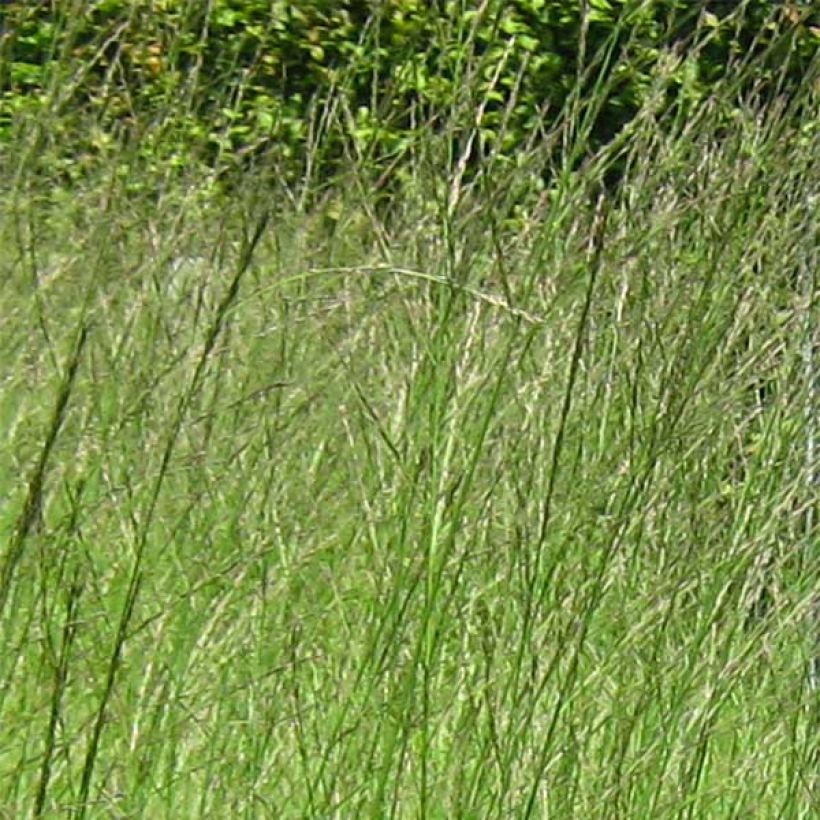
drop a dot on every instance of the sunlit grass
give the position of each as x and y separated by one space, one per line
491 505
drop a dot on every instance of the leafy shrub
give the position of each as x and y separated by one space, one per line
185 82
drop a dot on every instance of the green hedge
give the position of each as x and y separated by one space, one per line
235 79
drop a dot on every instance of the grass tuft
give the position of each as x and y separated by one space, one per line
491 499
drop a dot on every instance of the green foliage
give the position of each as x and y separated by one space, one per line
186 82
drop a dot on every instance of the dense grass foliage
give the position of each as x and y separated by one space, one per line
492 498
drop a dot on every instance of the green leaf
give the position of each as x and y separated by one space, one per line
265 119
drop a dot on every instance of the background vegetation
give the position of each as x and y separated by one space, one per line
408 413
229 80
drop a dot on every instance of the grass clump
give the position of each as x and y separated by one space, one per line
492 503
